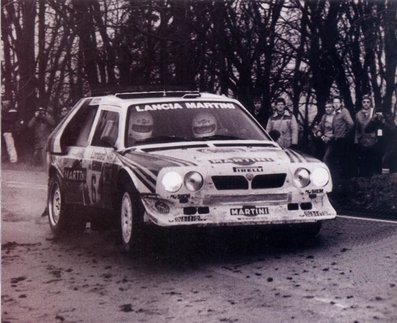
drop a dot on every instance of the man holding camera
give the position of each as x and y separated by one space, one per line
368 149
385 126
41 124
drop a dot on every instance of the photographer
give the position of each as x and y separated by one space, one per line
41 124
385 127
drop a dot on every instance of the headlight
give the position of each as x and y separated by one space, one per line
301 177
320 177
193 181
172 182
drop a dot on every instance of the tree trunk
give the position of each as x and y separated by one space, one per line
390 55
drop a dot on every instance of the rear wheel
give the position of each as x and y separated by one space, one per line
131 220
60 215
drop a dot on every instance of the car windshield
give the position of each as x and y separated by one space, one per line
189 121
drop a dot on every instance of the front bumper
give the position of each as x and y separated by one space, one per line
238 210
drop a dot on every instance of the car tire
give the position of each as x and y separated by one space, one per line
60 216
130 220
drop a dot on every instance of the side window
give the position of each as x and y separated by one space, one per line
78 129
107 129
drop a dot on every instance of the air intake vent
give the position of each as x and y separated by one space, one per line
230 182
268 181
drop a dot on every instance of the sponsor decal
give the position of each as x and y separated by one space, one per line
190 218
315 191
183 197
249 211
241 161
184 105
75 175
101 156
258 169
311 214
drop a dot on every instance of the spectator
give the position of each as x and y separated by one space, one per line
64 112
8 126
325 131
369 155
285 123
41 124
340 154
386 130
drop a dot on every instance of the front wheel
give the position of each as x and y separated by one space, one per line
131 219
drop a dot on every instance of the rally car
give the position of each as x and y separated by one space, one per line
177 159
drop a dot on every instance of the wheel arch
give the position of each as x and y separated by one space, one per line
53 173
124 178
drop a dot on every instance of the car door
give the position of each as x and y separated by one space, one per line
72 141
99 158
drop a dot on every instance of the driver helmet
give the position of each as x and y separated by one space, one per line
141 125
204 125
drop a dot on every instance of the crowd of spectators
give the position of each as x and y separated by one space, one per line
362 145
35 132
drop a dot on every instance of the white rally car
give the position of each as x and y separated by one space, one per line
177 159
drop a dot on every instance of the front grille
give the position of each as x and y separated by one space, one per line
268 181
230 182
236 182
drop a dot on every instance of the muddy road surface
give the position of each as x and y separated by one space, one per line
347 274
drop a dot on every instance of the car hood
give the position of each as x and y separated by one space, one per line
157 157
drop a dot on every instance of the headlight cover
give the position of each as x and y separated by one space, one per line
320 177
193 181
172 182
301 177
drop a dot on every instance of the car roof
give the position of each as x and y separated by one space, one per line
125 99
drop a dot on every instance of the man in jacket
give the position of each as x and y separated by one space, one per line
41 124
285 123
369 153
325 132
341 152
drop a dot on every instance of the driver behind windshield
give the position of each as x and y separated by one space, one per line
141 126
204 125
